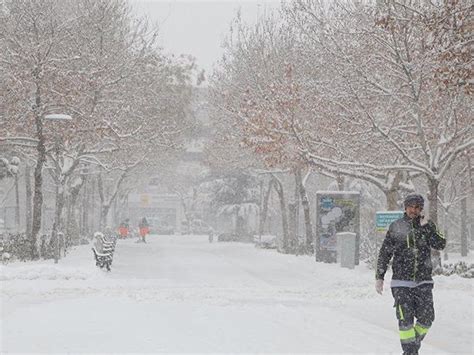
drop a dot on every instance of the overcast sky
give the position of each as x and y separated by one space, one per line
198 27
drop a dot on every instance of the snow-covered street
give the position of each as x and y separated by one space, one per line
180 294
223 142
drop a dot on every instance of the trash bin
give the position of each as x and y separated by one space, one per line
346 249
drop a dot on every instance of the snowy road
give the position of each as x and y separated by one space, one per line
180 294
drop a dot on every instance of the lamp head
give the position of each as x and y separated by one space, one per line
58 117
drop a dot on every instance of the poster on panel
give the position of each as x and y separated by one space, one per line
336 211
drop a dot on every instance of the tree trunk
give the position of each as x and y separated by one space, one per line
28 195
38 175
297 207
464 246
263 214
433 186
69 218
105 201
392 193
104 208
307 214
84 230
92 214
185 211
292 230
104 212
284 216
340 182
17 204
470 232
71 232
60 205
240 225
57 226
446 231
37 204
293 217
391 196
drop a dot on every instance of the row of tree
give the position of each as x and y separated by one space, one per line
379 91
99 65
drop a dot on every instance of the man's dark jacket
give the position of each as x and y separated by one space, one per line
410 245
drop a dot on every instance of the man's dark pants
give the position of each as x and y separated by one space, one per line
410 304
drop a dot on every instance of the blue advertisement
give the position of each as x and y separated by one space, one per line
383 219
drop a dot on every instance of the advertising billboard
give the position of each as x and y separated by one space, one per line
336 211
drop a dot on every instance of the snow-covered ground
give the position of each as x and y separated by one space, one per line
180 294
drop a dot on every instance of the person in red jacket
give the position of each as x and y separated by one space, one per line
143 229
123 229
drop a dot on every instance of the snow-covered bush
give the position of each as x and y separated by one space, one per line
460 268
369 248
8 168
17 246
6 258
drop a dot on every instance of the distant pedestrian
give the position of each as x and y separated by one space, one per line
124 229
144 229
211 234
409 241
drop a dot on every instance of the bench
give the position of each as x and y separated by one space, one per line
103 251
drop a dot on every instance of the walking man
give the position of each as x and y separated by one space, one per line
409 241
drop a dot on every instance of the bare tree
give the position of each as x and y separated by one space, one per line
92 60
387 74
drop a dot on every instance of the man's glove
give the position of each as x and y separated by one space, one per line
432 225
379 286
429 226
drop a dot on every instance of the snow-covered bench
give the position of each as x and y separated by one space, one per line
103 251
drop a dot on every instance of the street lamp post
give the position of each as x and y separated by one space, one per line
57 118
